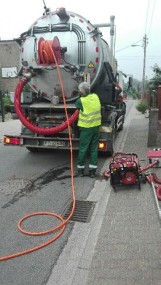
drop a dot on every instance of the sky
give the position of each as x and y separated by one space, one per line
133 19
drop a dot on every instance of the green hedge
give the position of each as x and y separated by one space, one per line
142 106
7 103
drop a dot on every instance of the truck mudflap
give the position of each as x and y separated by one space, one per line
106 139
120 123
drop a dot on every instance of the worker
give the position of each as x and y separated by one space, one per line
89 120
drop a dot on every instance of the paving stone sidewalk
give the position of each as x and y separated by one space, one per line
128 250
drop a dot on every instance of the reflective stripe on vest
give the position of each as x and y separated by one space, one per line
91 114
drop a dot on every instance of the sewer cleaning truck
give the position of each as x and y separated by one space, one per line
60 50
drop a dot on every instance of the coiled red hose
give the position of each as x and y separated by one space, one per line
28 124
156 181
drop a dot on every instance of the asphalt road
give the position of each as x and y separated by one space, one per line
31 182
34 182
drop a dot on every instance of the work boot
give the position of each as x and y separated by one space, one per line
80 172
92 173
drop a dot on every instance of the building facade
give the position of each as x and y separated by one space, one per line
9 65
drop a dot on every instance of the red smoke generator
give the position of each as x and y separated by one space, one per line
125 168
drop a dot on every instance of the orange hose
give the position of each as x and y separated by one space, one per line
61 227
46 52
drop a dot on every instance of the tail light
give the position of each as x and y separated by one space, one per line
102 145
12 140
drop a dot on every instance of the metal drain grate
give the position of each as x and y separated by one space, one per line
83 211
13 186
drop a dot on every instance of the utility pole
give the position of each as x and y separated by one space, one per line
2 110
145 42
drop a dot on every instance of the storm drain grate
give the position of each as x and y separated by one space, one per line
82 213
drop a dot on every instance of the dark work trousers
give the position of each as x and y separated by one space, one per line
89 138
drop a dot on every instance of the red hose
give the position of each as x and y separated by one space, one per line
156 178
29 125
158 192
149 166
156 181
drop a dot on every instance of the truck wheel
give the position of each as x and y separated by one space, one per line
112 142
121 125
120 128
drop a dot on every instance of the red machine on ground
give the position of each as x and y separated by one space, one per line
125 169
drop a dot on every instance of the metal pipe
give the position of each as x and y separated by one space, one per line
156 199
102 25
112 33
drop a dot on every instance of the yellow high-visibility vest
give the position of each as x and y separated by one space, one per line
91 114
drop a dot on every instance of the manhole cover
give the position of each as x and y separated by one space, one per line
83 211
13 186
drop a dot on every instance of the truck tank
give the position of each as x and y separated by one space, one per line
79 49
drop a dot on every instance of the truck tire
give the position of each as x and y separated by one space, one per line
122 125
110 152
120 128
113 140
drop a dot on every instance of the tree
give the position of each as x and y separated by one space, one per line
156 80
